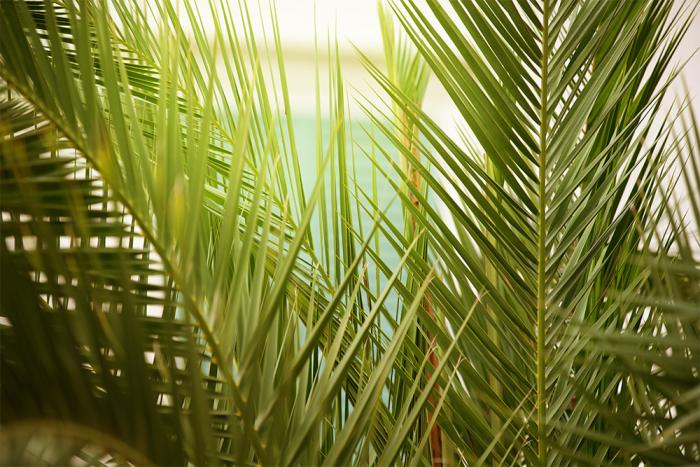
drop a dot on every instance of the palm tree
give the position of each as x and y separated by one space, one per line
173 292
555 179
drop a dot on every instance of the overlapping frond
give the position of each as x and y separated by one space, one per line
171 294
656 352
295 360
93 331
546 190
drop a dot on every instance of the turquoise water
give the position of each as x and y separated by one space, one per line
358 139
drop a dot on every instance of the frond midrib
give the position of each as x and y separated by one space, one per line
541 243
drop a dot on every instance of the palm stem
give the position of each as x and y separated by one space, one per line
541 408
410 140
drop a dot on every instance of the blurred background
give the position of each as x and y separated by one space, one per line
355 23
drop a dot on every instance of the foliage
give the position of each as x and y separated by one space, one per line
173 292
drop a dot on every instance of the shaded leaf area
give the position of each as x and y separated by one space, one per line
652 399
657 353
43 442
142 107
93 331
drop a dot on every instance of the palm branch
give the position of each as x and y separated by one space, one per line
279 351
173 292
555 170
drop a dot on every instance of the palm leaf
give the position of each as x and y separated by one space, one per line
202 199
172 295
558 96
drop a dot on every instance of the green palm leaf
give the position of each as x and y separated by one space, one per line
558 96
173 291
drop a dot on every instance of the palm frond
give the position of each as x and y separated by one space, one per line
556 169
174 291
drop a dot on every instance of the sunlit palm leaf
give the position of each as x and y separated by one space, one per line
226 248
